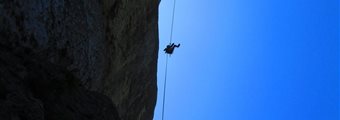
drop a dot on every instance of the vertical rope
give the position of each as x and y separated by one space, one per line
166 64
166 72
173 19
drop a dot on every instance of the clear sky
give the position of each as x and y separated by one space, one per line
250 60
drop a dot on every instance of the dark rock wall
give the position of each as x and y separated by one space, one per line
78 59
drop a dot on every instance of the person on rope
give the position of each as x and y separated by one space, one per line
170 48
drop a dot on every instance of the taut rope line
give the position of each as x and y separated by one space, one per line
166 64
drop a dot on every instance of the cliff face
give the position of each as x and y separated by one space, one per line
78 59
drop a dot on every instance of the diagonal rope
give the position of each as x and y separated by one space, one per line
166 64
166 71
173 19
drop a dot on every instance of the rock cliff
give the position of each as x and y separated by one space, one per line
78 59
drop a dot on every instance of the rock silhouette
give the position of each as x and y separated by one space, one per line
78 59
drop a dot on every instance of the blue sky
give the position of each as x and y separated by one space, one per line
250 60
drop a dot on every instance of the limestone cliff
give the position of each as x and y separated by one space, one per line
78 59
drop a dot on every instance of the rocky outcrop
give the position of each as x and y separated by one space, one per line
78 59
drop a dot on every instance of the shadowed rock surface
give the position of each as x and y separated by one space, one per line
78 59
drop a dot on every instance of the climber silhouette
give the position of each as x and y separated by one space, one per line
170 48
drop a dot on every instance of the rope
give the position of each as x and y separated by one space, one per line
173 19
166 71
166 64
